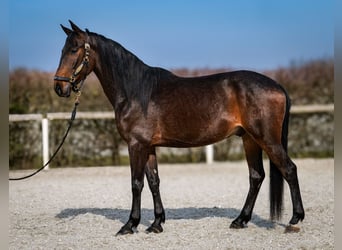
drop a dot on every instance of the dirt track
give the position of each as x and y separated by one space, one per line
83 208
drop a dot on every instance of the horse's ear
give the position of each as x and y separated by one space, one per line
75 28
66 30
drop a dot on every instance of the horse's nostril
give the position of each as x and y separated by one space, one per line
58 90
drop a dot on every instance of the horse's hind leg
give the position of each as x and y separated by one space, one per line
288 169
151 171
256 176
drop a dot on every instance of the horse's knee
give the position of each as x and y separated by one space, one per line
137 186
256 177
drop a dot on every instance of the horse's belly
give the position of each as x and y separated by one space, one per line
193 134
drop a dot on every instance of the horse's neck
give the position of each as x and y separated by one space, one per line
111 90
113 77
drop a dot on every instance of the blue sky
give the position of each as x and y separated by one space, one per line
244 34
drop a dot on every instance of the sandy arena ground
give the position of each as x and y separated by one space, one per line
83 208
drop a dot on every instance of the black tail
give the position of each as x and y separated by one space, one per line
276 178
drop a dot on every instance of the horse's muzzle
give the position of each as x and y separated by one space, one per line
62 89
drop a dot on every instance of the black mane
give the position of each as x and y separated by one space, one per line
135 79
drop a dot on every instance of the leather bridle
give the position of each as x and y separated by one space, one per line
72 78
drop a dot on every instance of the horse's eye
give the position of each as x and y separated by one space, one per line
74 50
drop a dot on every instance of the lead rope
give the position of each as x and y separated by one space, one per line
72 118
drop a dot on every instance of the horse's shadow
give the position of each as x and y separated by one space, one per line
147 215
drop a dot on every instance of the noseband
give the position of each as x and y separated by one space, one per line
72 78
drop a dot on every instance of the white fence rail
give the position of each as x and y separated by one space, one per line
303 109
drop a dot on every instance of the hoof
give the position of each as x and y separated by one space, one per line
237 225
154 229
125 230
291 229
296 218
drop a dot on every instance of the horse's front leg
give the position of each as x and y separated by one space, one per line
138 155
151 171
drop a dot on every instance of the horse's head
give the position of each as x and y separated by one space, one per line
75 63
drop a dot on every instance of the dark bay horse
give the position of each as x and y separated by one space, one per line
154 107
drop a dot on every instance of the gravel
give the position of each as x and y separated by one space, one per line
83 208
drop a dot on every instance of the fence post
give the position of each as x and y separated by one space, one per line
45 141
209 153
